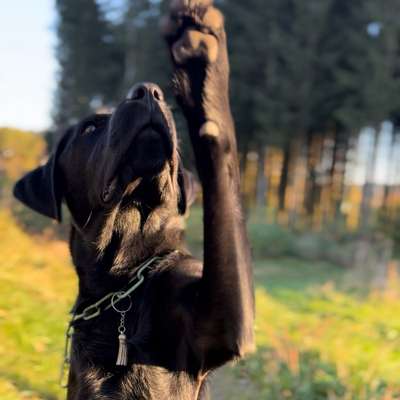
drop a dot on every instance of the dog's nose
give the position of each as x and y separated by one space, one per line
145 91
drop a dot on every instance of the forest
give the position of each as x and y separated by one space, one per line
314 91
316 101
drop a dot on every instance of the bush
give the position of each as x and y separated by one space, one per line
271 241
389 224
34 223
333 245
276 241
292 375
287 373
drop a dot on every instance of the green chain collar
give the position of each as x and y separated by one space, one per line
94 310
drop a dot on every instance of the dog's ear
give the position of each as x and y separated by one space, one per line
188 187
41 189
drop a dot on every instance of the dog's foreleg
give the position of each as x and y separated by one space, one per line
196 37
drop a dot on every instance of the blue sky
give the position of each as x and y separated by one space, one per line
28 66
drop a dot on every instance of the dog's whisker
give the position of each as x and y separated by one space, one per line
88 220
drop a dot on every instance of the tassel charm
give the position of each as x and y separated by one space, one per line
122 359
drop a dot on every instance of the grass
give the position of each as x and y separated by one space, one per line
38 286
315 339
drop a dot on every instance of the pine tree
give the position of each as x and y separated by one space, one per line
146 52
90 59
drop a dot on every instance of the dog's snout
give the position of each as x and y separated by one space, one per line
145 91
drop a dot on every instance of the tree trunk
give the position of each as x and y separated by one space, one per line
389 184
313 157
368 190
284 177
338 170
261 190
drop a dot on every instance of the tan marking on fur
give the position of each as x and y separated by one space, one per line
153 223
127 222
132 186
107 231
210 128
94 378
177 222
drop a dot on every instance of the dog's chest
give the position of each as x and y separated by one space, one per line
161 362
142 380
157 383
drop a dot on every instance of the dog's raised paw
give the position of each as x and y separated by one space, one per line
192 29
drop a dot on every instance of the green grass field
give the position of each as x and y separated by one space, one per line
315 339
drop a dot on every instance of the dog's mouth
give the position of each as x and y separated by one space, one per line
144 158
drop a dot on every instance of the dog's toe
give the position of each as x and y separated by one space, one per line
213 19
195 44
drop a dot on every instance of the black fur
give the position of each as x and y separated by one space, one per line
122 181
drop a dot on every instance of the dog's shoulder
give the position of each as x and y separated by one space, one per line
170 299
174 290
178 279
182 269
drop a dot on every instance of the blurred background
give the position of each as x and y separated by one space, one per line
315 95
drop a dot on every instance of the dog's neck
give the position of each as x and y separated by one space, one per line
117 242
132 236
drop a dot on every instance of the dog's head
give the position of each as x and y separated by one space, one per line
129 157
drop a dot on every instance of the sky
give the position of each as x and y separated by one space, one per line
27 63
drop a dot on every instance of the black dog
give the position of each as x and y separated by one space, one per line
121 178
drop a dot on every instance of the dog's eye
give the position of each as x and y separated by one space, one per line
88 130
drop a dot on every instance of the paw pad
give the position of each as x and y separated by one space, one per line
195 44
213 19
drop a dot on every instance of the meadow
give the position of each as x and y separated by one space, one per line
317 338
